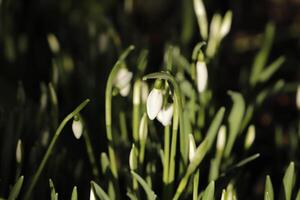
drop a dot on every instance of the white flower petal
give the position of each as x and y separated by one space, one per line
154 103
202 76
165 115
125 90
77 128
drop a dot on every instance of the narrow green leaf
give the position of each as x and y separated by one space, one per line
262 56
298 195
149 192
131 196
14 193
99 192
271 69
288 181
247 160
74 194
269 194
209 192
54 195
234 120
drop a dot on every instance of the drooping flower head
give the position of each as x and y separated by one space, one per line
155 100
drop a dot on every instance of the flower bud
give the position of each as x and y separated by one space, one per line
202 75
19 152
92 195
165 115
155 100
192 147
226 24
250 137
53 43
221 140
77 127
133 158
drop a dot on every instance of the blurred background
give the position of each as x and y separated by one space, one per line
88 36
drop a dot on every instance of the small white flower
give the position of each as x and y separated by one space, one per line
122 81
92 195
192 147
202 75
154 102
19 151
221 140
165 115
298 98
77 128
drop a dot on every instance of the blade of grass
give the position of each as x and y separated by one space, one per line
149 192
14 193
288 181
269 193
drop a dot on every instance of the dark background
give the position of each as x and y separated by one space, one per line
82 26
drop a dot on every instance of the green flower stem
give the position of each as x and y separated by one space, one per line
166 154
196 185
108 115
90 153
166 193
51 146
123 126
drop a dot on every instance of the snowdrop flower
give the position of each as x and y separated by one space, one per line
155 100
192 147
122 81
202 75
165 115
19 151
221 140
77 127
298 98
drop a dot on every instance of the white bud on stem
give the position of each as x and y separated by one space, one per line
77 127
202 75
19 152
192 147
